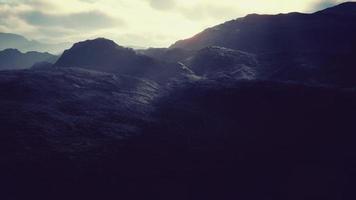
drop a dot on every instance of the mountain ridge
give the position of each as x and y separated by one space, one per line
266 23
15 59
11 40
316 48
347 8
105 55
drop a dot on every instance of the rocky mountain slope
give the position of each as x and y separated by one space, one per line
106 56
293 32
219 62
317 48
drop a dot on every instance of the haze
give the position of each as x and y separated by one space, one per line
138 23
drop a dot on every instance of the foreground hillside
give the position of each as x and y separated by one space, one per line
84 134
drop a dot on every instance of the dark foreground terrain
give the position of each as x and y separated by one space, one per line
76 134
200 120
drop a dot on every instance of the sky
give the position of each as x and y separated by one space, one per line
136 23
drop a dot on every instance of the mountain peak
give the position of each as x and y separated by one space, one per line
105 55
11 51
15 59
97 43
94 53
347 8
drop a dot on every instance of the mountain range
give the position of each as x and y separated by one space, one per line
15 41
14 59
106 56
261 107
318 47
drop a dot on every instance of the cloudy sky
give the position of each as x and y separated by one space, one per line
143 23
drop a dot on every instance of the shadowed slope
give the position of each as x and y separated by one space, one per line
105 55
317 48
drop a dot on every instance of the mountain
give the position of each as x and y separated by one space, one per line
106 56
14 59
14 41
215 62
348 8
166 54
293 32
318 48
262 107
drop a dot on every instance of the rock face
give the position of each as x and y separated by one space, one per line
215 62
14 59
106 56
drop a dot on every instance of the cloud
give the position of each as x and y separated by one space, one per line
55 21
134 22
162 4
9 21
84 21
208 11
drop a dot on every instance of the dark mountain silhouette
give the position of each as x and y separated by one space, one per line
106 56
293 32
15 41
14 59
348 8
317 48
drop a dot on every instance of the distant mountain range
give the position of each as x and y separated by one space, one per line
14 59
14 41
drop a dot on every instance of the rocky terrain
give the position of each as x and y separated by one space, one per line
105 55
251 109
314 48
